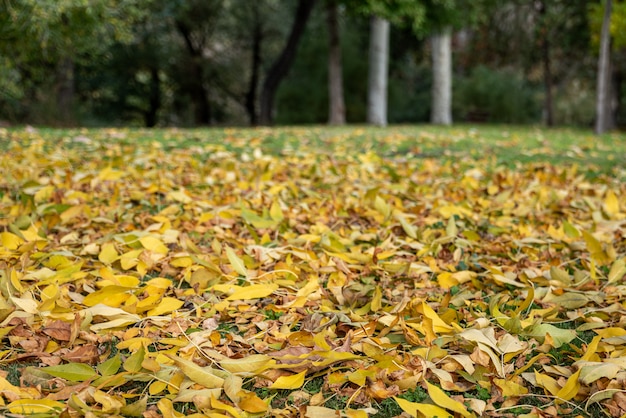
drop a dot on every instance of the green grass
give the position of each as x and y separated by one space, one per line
510 146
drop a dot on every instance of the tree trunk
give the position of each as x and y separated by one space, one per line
281 66
603 100
253 85
154 99
65 91
378 71
548 108
336 105
196 88
441 46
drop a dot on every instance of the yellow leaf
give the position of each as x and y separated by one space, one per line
27 304
376 302
547 383
595 248
446 280
167 305
10 241
236 262
34 406
313 411
592 347
471 235
610 332
571 388
594 371
179 196
200 375
232 387
439 325
248 364
276 213
289 382
153 244
167 409
156 387
428 410
110 404
135 409
440 398
130 259
250 402
510 388
255 291
409 229
451 228
382 207
618 270
355 413
611 204
360 376
311 286
112 296
217 404
150 364
108 254
448 211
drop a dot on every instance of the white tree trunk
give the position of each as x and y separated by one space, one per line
441 46
603 100
378 71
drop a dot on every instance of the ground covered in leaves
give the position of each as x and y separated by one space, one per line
312 272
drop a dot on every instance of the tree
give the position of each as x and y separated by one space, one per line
378 71
547 43
280 68
441 46
384 13
46 36
196 21
604 120
544 40
256 37
441 17
336 105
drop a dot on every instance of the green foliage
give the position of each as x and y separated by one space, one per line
495 96
618 24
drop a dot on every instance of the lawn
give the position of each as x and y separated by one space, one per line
407 271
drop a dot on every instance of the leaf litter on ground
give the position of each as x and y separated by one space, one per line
141 278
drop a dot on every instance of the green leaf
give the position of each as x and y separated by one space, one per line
236 262
382 207
73 372
133 362
570 230
111 366
559 336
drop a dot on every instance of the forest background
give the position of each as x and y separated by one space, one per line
198 63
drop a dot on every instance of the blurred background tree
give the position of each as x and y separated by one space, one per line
210 62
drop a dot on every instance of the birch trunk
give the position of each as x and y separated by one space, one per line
603 100
378 71
441 46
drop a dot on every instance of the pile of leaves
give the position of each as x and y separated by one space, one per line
138 278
